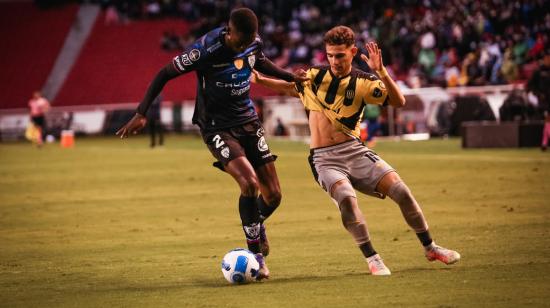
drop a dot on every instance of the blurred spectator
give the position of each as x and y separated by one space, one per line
280 128
414 35
39 106
516 108
539 84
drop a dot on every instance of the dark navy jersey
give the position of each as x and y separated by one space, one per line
223 80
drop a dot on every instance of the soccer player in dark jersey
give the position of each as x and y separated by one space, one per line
223 60
341 164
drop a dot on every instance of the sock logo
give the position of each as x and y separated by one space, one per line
252 232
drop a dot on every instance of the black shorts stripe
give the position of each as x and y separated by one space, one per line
312 166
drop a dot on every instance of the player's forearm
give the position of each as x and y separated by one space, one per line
266 67
163 76
395 97
278 85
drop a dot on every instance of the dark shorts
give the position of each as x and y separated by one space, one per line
246 140
38 121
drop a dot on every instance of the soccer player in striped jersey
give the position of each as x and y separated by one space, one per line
223 60
335 97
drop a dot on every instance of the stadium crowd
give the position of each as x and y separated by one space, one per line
430 42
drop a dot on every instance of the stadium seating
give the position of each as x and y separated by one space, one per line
31 41
118 62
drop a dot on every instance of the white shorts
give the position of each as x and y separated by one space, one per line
350 160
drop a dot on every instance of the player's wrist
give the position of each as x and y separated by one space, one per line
382 73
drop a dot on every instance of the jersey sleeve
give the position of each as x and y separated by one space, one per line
376 92
193 58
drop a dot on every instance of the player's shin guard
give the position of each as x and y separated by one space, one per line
266 209
401 194
250 218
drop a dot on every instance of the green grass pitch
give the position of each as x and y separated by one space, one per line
114 223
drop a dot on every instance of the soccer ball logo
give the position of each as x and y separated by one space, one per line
240 266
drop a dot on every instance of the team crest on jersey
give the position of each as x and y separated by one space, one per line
225 152
377 93
251 60
194 55
239 63
262 145
381 85
350 94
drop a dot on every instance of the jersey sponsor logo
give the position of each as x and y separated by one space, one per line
251 60
239 63
260 132
237 92
194 55
262 145
267 155
225 152
237 84
377 93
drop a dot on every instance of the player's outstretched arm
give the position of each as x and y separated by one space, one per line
138 121
374 61
275 84
266 67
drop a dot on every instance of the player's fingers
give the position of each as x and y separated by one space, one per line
364 57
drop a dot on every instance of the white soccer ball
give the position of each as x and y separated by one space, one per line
240 266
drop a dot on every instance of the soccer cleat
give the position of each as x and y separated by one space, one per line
263 273
447 256
264 242
377 266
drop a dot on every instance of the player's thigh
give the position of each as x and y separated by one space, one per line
367 171
223 146
268 179
387 181
251 136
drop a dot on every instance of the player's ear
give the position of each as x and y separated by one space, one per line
353 50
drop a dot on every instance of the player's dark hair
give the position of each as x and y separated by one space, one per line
340 35
245 21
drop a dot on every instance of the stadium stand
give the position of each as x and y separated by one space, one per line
118 61
29 50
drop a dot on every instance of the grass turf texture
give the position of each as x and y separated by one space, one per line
114 223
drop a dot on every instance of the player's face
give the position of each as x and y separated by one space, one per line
236 40
340 58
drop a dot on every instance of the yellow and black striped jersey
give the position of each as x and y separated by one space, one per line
341 100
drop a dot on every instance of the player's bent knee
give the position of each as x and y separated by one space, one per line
274 198
343 191
249 186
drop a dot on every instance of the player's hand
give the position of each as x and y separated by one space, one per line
255 77
300 76
133 126
374 60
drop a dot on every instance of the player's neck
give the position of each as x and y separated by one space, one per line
342 75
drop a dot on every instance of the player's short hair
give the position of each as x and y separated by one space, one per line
245 21
340 35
